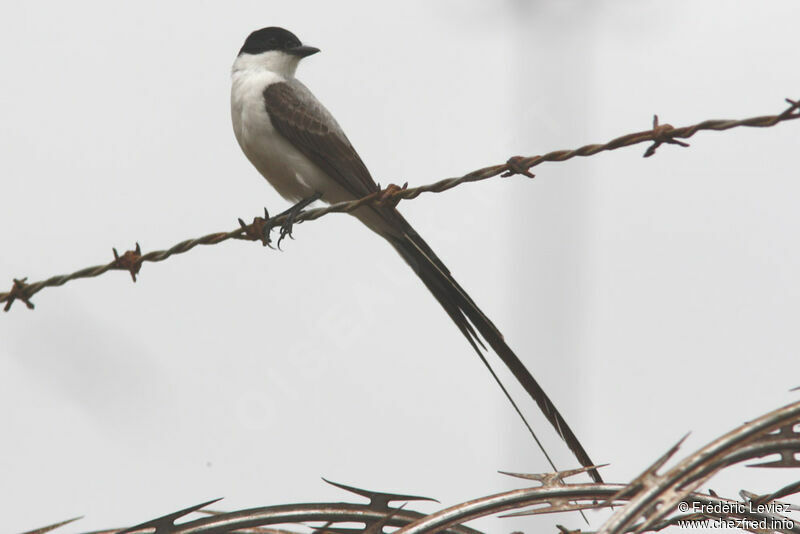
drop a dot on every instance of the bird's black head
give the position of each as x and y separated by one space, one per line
275 39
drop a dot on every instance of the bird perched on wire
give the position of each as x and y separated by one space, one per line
297 145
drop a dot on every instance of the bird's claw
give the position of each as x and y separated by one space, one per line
288 225
289 219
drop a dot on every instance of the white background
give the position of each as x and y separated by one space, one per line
651 297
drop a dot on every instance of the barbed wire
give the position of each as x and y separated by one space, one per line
650 502
260 228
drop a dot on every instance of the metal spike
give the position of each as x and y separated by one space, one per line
772 497
748 495
553 479
788 459
377 526
658 464
377 499
648 474
785 491
52 527
165 524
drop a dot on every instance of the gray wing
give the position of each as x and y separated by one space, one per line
303 121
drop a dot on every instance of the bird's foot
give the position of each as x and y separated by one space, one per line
289 218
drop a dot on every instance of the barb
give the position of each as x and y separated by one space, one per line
166 523
660 134
582 496
785 491
645 504
650 475
658 495
331 514
377 499
53 526
549 480
558 496
129 261
649 498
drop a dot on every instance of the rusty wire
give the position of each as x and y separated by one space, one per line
660 134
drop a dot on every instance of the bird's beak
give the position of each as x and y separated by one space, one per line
302 50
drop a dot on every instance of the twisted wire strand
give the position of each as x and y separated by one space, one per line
658 135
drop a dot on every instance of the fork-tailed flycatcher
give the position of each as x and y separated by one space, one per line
297 145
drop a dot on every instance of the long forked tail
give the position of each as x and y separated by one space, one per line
468 317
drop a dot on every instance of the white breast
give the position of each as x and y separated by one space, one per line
278 161
287 169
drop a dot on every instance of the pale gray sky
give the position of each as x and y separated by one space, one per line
651 297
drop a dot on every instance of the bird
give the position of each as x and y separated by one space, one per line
297 145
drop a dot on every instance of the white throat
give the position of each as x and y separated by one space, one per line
275 61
